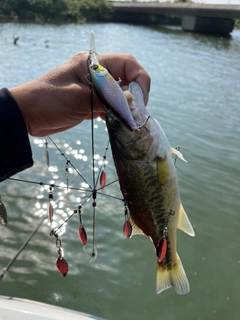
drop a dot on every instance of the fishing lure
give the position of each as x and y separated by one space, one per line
108 90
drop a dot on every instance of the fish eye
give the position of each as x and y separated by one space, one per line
94 67
117 123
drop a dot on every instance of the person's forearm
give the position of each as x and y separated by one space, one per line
16 154
54 102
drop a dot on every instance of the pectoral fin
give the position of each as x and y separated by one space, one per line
184 223
178 154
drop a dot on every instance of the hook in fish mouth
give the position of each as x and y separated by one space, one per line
142 125
118 123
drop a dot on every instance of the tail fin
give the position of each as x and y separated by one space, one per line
176 278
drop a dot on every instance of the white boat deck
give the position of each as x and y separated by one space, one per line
22 309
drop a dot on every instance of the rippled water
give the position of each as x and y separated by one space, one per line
195 96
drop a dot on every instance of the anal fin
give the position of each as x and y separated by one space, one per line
135 228
184 223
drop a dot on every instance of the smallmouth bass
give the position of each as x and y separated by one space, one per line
148 182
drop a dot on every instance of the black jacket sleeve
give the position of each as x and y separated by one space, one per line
15 149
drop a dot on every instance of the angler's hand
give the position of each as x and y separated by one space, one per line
60 99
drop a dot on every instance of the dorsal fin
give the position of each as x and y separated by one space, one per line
178 154
184 223
135 229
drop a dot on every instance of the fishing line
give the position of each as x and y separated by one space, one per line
68 218
108 184
69 162
22 247
103 165
92 134
50 185
94 193
93 190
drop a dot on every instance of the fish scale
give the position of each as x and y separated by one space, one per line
144 193
135 190
148 181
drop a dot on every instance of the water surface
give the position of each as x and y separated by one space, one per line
195 95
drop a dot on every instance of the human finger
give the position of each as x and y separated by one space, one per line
127 68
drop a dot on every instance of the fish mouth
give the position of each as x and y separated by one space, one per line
135 91
135 99
136 113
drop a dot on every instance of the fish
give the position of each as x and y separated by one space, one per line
108 90
148 182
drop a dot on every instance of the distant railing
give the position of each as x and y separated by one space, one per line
196 17
192 1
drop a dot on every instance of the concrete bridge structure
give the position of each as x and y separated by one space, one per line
202 18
